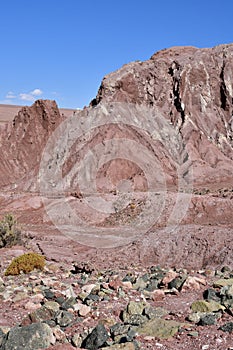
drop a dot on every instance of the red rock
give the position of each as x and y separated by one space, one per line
193 283
84 310
32 306
115 284
126 285
27 136
59 334
62 347
158 294
191 90
170 275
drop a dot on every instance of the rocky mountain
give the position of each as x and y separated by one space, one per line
148 164
130 202
193 89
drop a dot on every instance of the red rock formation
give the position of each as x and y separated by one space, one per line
191 87
23 141
194 90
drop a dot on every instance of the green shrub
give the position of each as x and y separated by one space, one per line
9 233
25 263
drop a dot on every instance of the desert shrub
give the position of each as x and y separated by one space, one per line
25 263
9 233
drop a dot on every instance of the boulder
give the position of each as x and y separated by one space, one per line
31 337
159 328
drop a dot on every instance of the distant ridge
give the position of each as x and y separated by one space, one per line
8 112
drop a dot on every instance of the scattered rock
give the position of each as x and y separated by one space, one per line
140 284
125 346
192 283
226 294
67 303
207 320
193 334
140 318
32 337
157 295
227 327
195 316
77 340
59 334
88 288
52 305
177 282
151 312
170 276
211 294
64 318
32 306
135 307
96 338
1 336
83 310
223 282
163 329
205 306
42 314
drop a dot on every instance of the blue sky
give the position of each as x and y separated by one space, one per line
61 49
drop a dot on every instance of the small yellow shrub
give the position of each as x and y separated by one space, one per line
25 263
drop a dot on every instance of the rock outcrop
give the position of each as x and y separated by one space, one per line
23 141
179 107
193 88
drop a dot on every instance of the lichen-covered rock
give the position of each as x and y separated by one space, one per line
223 282
227 327
159 328
205 306
64 318
125 346
32 337
136 307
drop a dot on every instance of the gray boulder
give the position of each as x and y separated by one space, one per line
32 337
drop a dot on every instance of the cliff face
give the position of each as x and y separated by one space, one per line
193 88
152 123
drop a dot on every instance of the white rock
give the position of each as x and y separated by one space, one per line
88 288
69 292
32 306
84 310
59 334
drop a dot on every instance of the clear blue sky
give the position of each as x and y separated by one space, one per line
61 49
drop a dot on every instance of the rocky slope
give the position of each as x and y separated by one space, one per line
193 89
78 306
172 143
140 178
